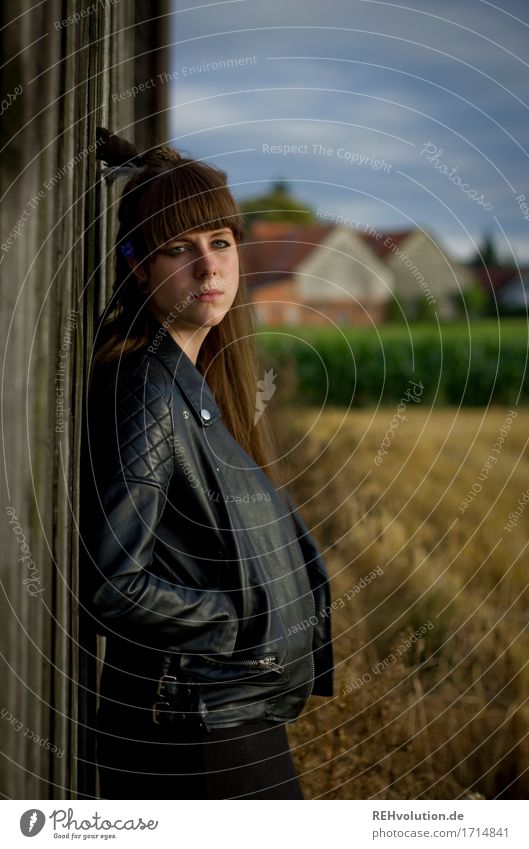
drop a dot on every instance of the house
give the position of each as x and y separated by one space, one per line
316 274
324 273
513 296
507 288
424 275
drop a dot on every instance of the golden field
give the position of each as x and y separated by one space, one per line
444 714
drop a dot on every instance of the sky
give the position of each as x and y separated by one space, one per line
391 115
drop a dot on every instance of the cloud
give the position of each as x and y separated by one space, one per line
427 91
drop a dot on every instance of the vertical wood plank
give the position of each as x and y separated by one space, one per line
57 227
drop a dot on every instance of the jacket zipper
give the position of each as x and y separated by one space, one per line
311 651
262 662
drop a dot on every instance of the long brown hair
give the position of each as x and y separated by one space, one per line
166 196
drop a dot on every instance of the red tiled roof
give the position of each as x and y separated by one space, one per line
274 249
494 277
270 229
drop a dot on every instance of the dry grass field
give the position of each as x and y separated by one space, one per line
432 679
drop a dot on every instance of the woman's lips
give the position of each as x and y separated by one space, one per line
210 295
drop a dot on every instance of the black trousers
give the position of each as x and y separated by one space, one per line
250 761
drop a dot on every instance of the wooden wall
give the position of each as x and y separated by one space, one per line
56 270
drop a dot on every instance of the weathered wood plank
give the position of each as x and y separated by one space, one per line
56 272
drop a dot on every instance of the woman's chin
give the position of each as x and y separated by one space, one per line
213 316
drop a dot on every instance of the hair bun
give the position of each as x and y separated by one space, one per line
162 154
113 149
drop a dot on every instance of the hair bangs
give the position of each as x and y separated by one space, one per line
181 200
165 198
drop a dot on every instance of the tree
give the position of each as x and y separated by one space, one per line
278 204
487 256
472 301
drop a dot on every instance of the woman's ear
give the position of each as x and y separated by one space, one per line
136 267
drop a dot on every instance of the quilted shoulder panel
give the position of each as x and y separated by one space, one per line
140 444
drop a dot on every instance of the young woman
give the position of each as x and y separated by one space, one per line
203 576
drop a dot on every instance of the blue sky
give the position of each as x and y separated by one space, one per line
437 93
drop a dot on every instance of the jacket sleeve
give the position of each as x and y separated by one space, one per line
130 464
319 580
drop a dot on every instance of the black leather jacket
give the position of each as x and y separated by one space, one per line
194 559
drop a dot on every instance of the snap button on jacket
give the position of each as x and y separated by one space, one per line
192 558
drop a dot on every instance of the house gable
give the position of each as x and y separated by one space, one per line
419 258
343 267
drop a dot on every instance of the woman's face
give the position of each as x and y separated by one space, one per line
193 279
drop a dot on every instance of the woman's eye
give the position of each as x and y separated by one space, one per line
177 248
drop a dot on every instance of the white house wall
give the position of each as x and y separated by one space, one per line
420 255
343 266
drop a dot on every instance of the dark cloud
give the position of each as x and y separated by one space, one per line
376 80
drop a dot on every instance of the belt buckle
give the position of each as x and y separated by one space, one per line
164 680
155 709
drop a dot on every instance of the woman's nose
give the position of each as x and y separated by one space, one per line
205 263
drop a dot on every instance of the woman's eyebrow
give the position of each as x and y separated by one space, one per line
187 237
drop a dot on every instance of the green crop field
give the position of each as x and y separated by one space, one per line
457 364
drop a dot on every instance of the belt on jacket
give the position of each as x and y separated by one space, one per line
178 699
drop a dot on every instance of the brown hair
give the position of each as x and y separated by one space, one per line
165 197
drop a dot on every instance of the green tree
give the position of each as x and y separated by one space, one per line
278 204
487 255
472 301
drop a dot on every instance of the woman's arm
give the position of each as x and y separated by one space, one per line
130 464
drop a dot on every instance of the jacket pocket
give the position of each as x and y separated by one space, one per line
265 669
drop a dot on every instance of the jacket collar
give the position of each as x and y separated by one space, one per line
184 372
